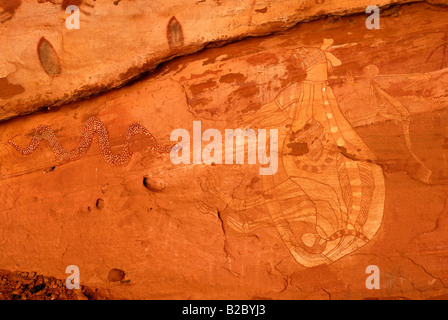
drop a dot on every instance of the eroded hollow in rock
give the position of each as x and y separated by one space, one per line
99 203
115 275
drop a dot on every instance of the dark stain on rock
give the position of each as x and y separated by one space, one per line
175 34
197 89
347 154
48 57
254 180
292 73
264 10
198 102
37 288
194 76
218 2
9 90
263 59
232 77
50 170
298 148
247 95
115 275
267 196
445 143
247 90
66 3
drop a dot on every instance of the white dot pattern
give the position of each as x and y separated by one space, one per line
92 126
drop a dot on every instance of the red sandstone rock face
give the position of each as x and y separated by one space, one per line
146 228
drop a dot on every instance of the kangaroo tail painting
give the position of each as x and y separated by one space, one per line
93 125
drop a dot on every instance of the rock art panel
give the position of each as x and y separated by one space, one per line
356 119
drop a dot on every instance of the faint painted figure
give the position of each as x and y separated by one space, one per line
174 33
384 103
327 199
48 57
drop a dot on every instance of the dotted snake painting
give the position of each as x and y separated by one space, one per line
92 126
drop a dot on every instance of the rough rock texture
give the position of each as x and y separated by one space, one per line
42 63
360 112
30 286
